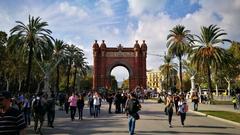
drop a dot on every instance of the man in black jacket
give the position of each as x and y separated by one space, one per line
133 106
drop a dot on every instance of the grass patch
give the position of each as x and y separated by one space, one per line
216 102
233 116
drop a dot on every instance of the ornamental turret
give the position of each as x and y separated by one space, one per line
136 46
103 45
144 46
95 46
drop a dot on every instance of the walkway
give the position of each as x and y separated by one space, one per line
153 122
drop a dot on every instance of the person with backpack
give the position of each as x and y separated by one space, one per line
51 110
39 110
132 108
195 101
183 108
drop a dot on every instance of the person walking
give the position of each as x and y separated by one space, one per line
27 110
73 105
51 110
90 103
80 105
96 104
234 101
109 100
11 120
169 109
176 100
195 100
132 108
66 104
183 108
39 110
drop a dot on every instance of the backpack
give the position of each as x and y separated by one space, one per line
50 105
185 109
38 107
133 106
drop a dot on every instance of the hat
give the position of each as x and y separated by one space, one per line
5 94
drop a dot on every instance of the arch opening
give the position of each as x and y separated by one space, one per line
120 78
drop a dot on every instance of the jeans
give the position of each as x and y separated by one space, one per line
73 111
183 117
91 110
131 124
96 110
170 114
51 117
195 106
80 112
109 107
27 115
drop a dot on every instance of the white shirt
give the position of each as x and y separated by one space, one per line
96 100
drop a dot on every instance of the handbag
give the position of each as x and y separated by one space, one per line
135 116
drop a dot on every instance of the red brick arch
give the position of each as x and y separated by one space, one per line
106 58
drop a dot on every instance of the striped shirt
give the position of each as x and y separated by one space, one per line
11 122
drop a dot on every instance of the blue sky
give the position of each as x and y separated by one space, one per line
80 22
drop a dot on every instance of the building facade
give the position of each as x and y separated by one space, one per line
154 80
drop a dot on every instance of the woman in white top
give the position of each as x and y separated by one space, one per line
183 108
96 104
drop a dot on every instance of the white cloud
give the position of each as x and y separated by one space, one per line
105 7
66 8
137 7
155 28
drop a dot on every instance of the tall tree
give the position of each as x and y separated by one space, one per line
80 64
59 48
178 44
168 68
70 53
207 53
33 36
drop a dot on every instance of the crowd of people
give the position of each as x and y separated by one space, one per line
27 108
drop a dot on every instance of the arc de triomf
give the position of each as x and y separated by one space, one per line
106 58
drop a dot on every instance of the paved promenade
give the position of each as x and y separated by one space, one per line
153 122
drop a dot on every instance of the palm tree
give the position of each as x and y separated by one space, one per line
178 44
59 48
191 71
79 62
70 53
167 68
32 36
207 54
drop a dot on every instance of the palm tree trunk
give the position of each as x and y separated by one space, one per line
229 87
19 84
57 81
68 75
180 73
167 80
8 84
74 77
209 84
29 67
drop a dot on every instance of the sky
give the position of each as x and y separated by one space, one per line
80 22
